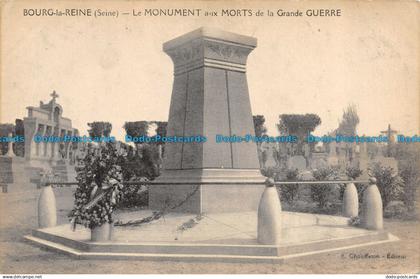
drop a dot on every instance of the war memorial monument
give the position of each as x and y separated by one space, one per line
215 203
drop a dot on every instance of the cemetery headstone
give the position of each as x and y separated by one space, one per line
297 162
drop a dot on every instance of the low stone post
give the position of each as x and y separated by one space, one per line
10 152
350 201
269 215
47 210
372 216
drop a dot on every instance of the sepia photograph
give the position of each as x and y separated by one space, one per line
209 137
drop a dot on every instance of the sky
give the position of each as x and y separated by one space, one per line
114 69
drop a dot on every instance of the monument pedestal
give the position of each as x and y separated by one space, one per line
231 195
209 98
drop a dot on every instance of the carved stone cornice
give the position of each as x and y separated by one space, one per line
198 49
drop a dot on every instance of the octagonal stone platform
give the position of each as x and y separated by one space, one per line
215 237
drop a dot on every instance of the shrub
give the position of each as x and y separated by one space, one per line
408 156
395 209
134 196
409 172
355 221
272 172
141 164
289 192
321 192
390 184
353 172
136 167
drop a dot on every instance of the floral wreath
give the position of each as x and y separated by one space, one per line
100 184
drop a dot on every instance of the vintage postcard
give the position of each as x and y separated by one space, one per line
209 137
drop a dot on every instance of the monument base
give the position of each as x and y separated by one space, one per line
220 237
229 194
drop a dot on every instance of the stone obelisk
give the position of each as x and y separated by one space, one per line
209 97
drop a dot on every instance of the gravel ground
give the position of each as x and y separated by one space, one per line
18 217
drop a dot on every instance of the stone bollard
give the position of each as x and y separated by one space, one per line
350 201
269 216
10 152
3 188
372 216
47 210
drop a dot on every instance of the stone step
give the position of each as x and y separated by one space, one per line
212 249
52 246
58 247
62 168
59 170
249 250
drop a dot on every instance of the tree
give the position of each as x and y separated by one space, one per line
5 130
19 131
146 161
161 128
136 128
260 130
299 125
259 125
349 122
99 129
348 127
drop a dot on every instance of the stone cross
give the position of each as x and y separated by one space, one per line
390 134
209 97
54 95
